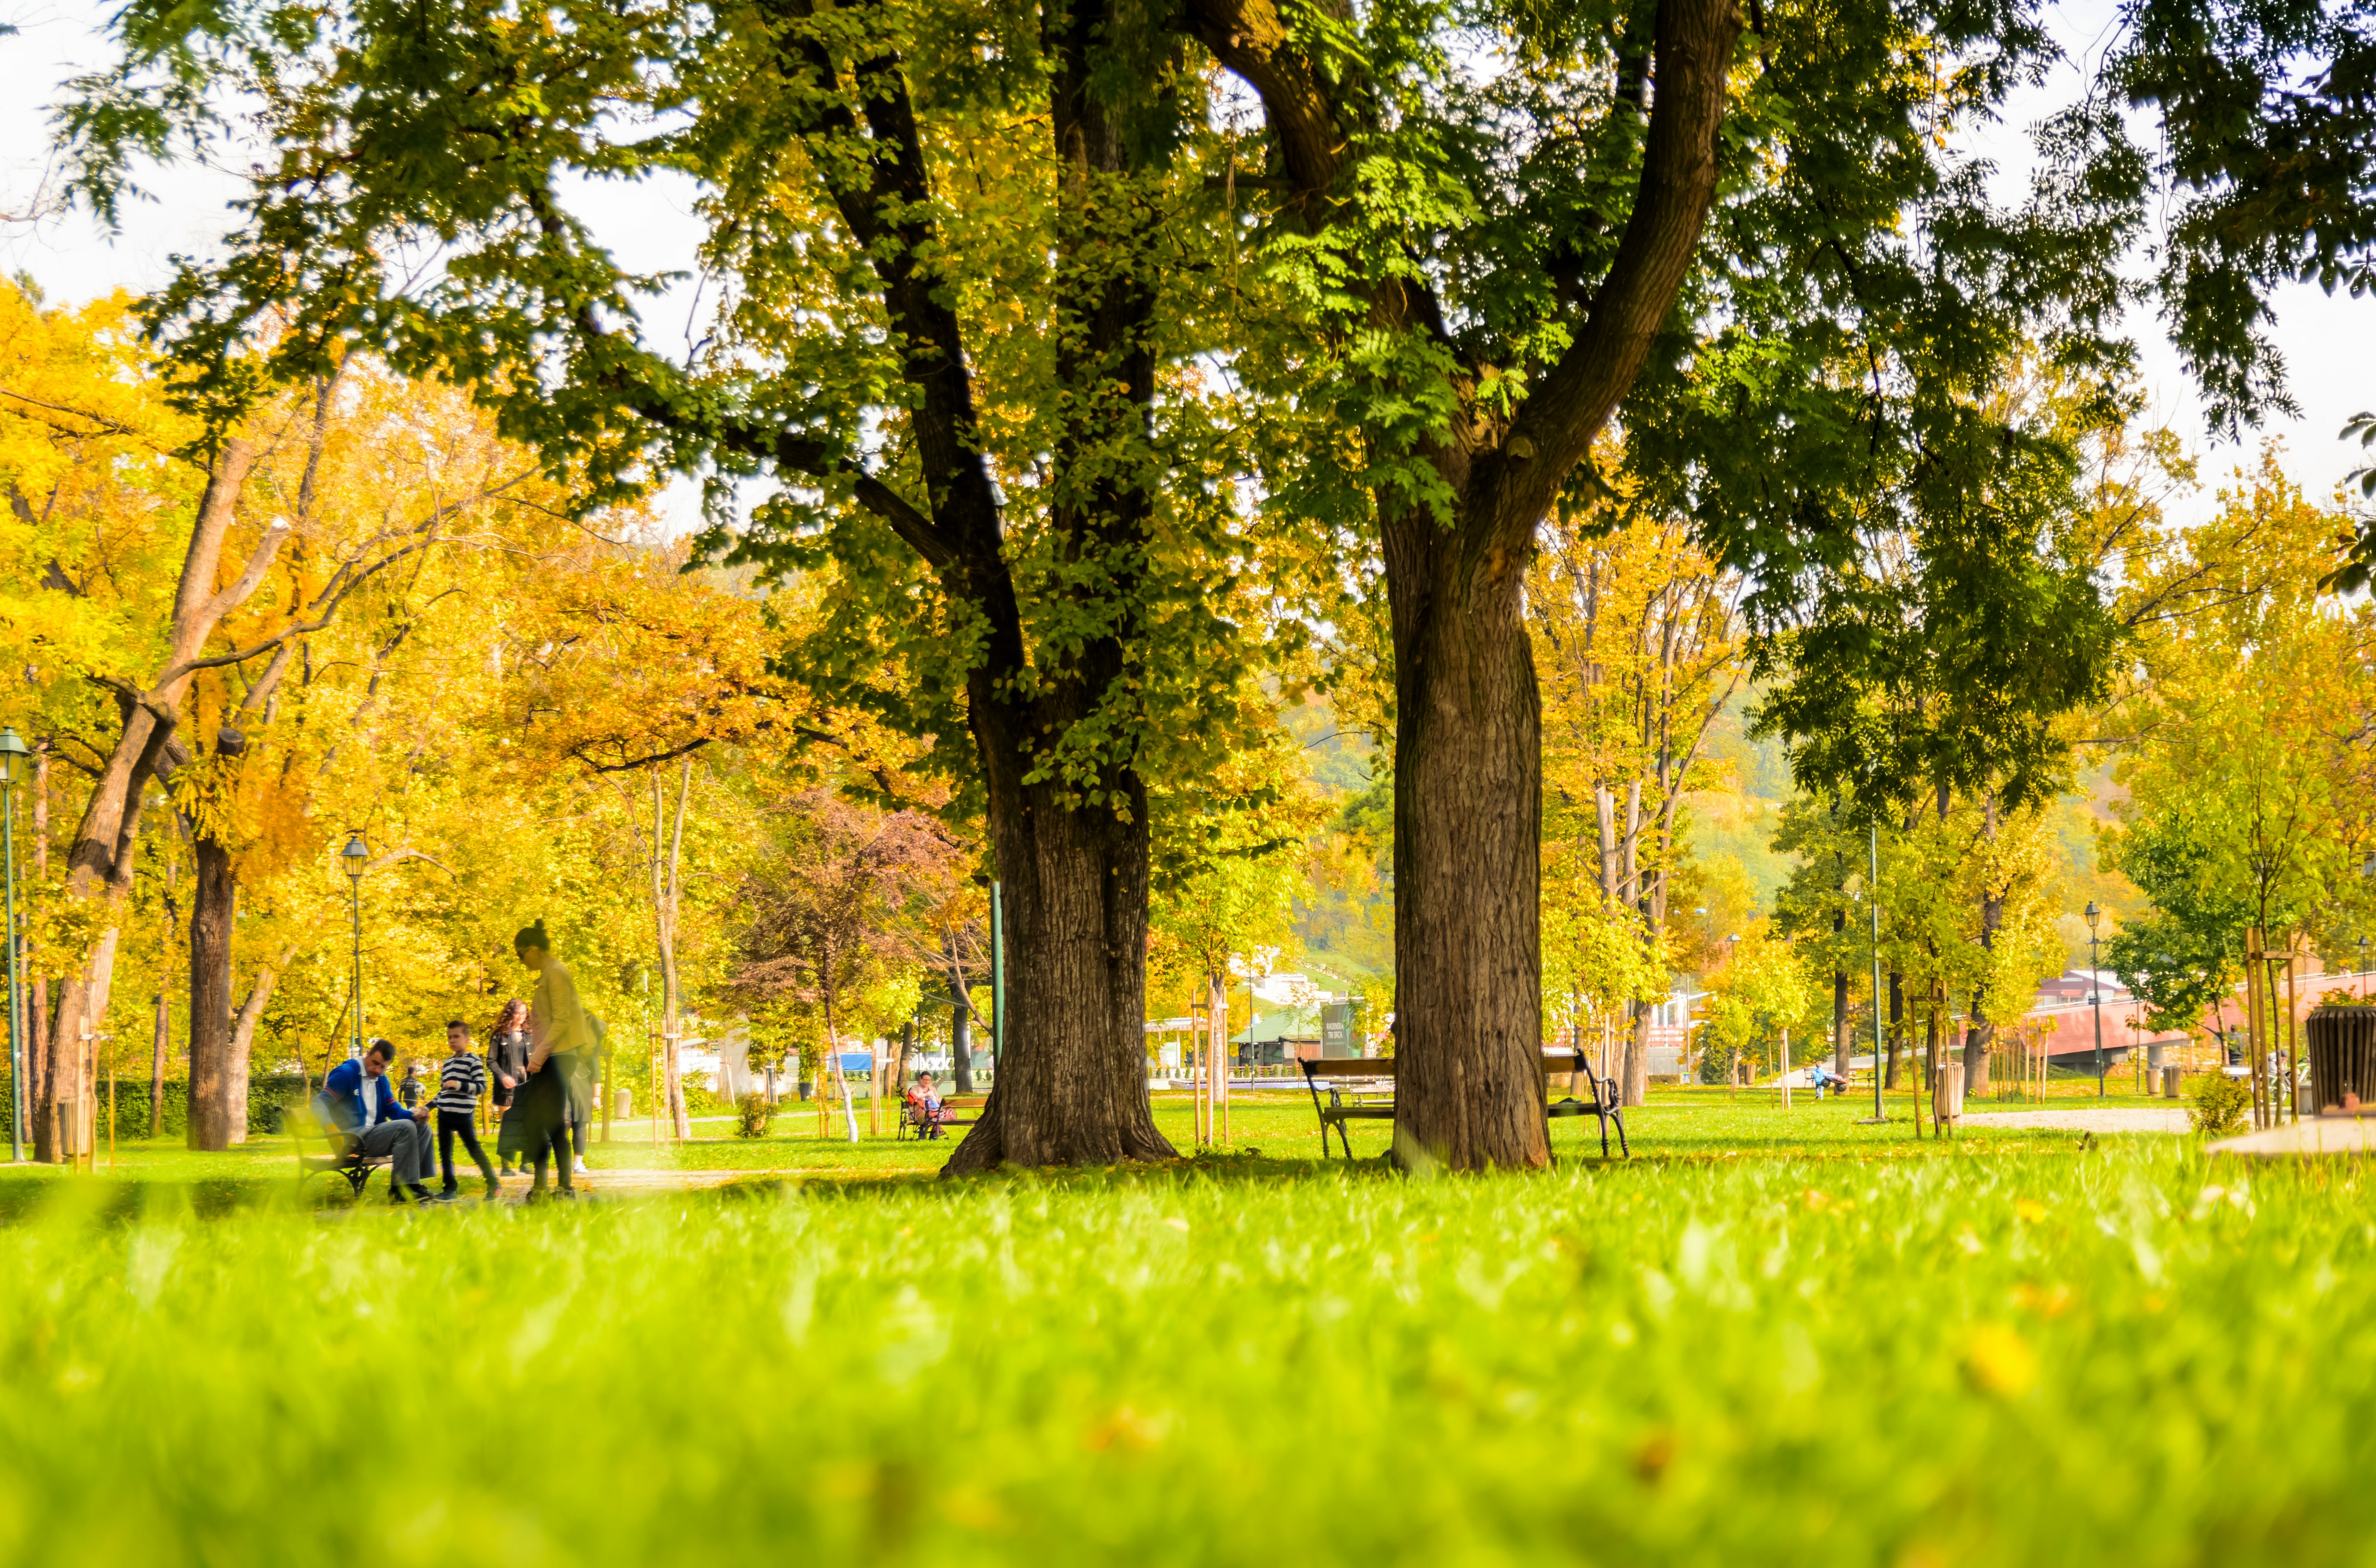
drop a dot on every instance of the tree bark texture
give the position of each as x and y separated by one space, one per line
98 864
1470 1084
1470 1081
242 1046
211 1108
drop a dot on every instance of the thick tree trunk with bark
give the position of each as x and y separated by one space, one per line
1469 1089
211 1108
99 865
1072 1081
1467 1022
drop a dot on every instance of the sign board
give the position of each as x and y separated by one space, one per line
1338 1021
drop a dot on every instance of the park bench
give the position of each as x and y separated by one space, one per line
1604 1103
343 1160
910 1126
1341 1074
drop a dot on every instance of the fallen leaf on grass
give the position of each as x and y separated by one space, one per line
1129 1429
2047 1300
1998 1360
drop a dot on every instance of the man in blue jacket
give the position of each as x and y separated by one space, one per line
362 1105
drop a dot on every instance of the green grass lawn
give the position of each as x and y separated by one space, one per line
1770 1338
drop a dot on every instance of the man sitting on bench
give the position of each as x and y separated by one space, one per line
362 1106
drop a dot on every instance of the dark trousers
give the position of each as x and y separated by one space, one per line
452 1124
547 1093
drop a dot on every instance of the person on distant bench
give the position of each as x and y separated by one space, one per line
362 1106
924 1106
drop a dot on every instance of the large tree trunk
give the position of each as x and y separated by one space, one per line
1468 766
1469 1091
99 866
1072 1071
211 1107
1072 1079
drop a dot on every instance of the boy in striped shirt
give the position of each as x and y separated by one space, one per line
460 1081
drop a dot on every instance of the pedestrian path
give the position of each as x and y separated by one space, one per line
2110 1119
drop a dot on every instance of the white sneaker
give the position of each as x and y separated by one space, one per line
579 1168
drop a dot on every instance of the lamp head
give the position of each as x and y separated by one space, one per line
355 853
2093 915
11 748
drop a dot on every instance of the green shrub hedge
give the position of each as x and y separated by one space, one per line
269 1096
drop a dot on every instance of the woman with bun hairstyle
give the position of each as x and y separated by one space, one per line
560 1060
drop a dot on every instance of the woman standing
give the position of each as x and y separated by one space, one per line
560 1056
507 1049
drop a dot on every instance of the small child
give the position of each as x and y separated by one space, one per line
460 1081
408 1093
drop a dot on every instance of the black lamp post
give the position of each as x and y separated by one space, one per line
353 856
12 749
2096 993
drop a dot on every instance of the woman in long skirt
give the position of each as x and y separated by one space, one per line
560 1059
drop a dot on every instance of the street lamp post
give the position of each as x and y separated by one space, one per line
1878 1114
353 856
2096 993
11 749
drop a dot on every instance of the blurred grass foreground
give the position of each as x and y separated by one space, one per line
2001 1353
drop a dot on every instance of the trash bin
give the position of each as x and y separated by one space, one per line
1947 1099
2169 1076
2342 1054
626 1104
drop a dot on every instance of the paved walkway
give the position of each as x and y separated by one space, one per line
2111 1118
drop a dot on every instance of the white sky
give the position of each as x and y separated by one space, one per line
2326 341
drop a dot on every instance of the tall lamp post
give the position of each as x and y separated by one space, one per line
352 857
2096 993
11 750
1878 1114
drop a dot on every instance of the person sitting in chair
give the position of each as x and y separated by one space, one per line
362 1105
924 1107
